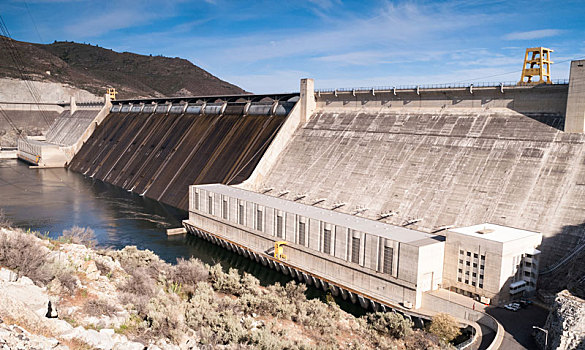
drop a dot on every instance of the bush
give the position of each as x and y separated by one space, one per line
98 307
390 323
25 254
4 221
66 278
165 316
79 235
445 327
225 282
188 273
132 259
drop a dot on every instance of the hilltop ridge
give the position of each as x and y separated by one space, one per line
94 68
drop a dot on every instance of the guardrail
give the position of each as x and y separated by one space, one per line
432 86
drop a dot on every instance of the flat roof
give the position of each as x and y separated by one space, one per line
493 232
395 233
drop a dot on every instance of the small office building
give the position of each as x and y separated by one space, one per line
491 262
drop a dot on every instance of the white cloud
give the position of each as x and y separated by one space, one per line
533 34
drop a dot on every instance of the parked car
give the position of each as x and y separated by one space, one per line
512 307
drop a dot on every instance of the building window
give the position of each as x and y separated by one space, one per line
210 204
473 283
388 260
224 208
461 252
481 267
242 213
481 285
461 261
459 279
259 219
302 233
475 255
355 250
327 241
196 204
466 281
467 263
474 265
468 253
460 271
279 226
474 274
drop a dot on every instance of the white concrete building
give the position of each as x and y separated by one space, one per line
491 261
392 264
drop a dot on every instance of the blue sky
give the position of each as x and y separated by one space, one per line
267 46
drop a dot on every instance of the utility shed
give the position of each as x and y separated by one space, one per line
491 261
393 263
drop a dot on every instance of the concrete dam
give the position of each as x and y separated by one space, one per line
158 150
384 196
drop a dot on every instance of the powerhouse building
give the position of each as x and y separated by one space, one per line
391 264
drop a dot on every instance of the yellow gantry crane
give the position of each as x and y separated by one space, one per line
112 92
536 64
279 250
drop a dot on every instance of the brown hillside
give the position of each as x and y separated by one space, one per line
94 69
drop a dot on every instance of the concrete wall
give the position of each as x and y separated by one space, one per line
449 168
15 90
29 119
523 99
576 99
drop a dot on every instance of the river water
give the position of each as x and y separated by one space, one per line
52 200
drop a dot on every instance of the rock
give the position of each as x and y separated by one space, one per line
91 270
7 275
565 325
15 337
59 326
107 331
34 297
51 310
128 346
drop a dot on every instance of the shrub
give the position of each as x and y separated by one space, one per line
98 307
445 327
25 254
140 283
66 278
188 273
79 235
165 316
4 221
225 282
132 259
390 323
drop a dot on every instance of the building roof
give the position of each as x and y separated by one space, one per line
493 232
395 233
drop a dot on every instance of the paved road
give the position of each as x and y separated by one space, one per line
518 326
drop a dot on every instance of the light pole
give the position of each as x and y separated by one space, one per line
545 335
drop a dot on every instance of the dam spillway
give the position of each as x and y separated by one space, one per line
158 150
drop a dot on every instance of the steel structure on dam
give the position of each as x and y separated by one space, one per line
158 147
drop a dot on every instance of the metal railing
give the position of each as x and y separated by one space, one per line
432 86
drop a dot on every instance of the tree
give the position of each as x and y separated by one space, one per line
445 327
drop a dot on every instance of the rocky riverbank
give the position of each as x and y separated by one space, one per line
565 324
59 294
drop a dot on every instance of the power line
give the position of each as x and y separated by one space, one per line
33 21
